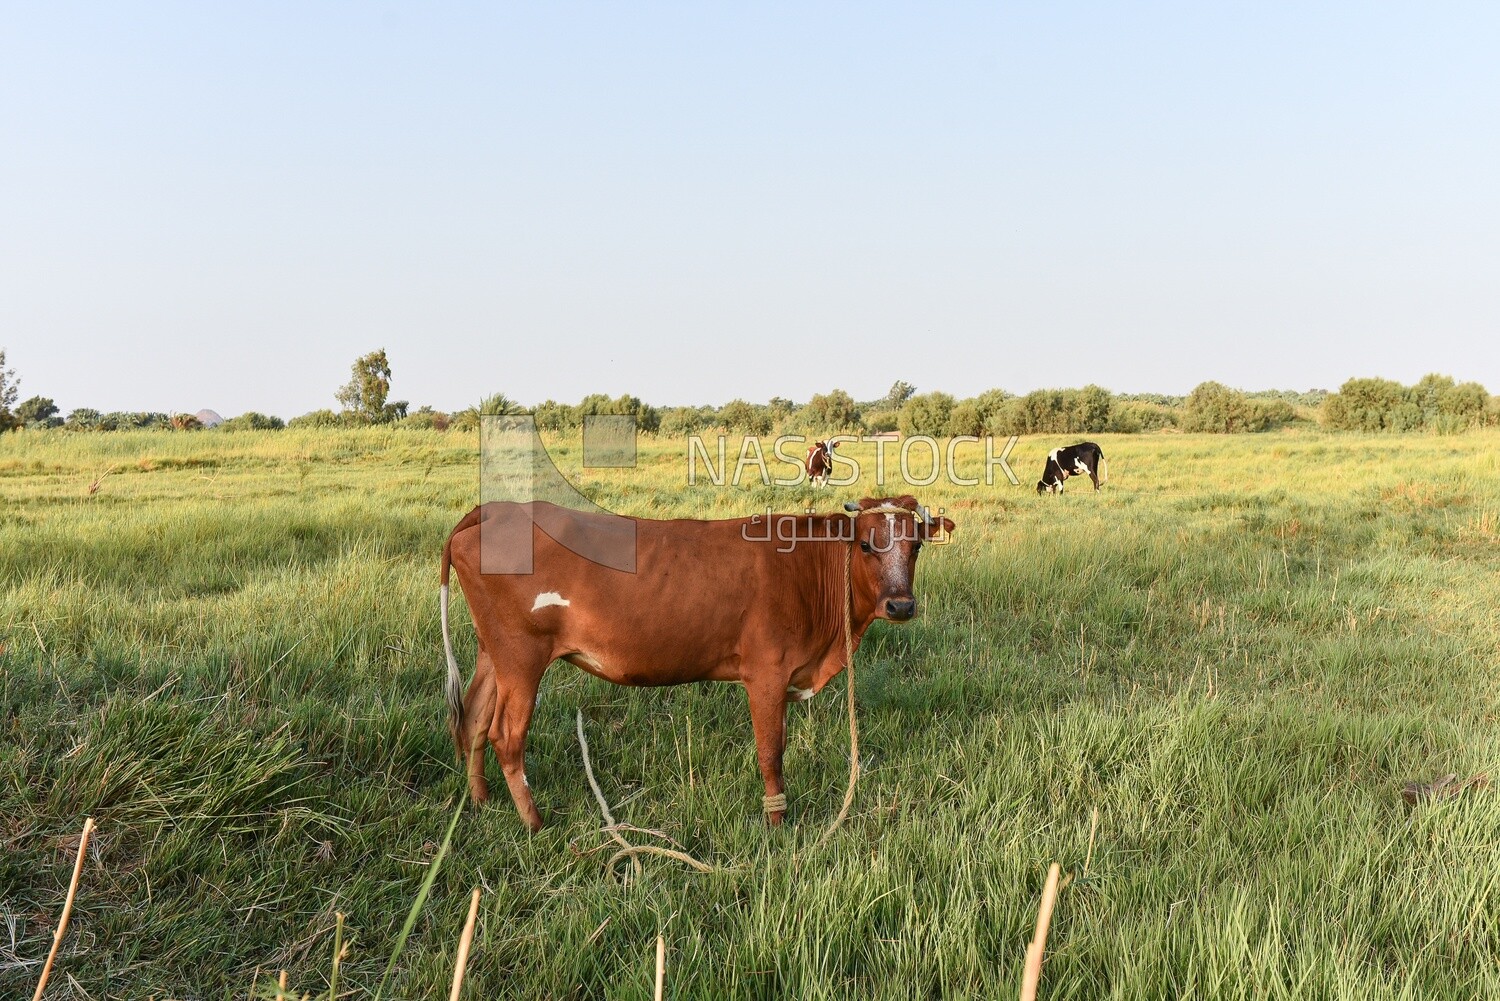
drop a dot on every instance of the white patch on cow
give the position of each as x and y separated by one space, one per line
524 781
1080 468
800 694
1053 454
547 598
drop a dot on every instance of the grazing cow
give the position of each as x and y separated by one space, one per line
820 461
1083 459
764 602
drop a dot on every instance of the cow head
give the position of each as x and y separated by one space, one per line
889 532
1043 487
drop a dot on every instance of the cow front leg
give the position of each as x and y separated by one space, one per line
768 716
516 698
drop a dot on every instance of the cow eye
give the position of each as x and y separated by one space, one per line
864 546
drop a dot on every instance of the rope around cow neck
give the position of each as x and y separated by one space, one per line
853 721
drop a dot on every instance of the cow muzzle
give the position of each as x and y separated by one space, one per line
900 609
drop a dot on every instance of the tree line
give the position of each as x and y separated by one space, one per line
1436 403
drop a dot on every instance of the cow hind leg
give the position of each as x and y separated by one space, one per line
516 685
479 712
768 716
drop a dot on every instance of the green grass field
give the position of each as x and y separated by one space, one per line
1237 654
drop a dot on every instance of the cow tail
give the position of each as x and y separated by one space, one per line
453 689
1103 468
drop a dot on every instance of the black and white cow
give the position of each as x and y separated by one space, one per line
1083 459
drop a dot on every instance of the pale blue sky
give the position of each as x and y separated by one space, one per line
221 205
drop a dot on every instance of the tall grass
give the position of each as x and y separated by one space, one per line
1237 654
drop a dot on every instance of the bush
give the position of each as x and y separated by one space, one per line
830 413
1363 405
554 416
647 418
679 422
966 419
126 420
926 414
1054 411
1267 414
745 418
1435 403
83 419
1311 400
251 421
1214 407
325 418
423 419
1137 417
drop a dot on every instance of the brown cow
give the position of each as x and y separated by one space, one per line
760 601
820 461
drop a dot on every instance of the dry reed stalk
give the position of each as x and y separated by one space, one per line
661 967
67 911
462 961
1033 975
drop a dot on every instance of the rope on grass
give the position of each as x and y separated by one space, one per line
627 850
672 853
609 818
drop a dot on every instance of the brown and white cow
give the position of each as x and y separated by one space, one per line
758 601
820 462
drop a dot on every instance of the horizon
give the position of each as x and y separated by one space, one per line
862 401
222 208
